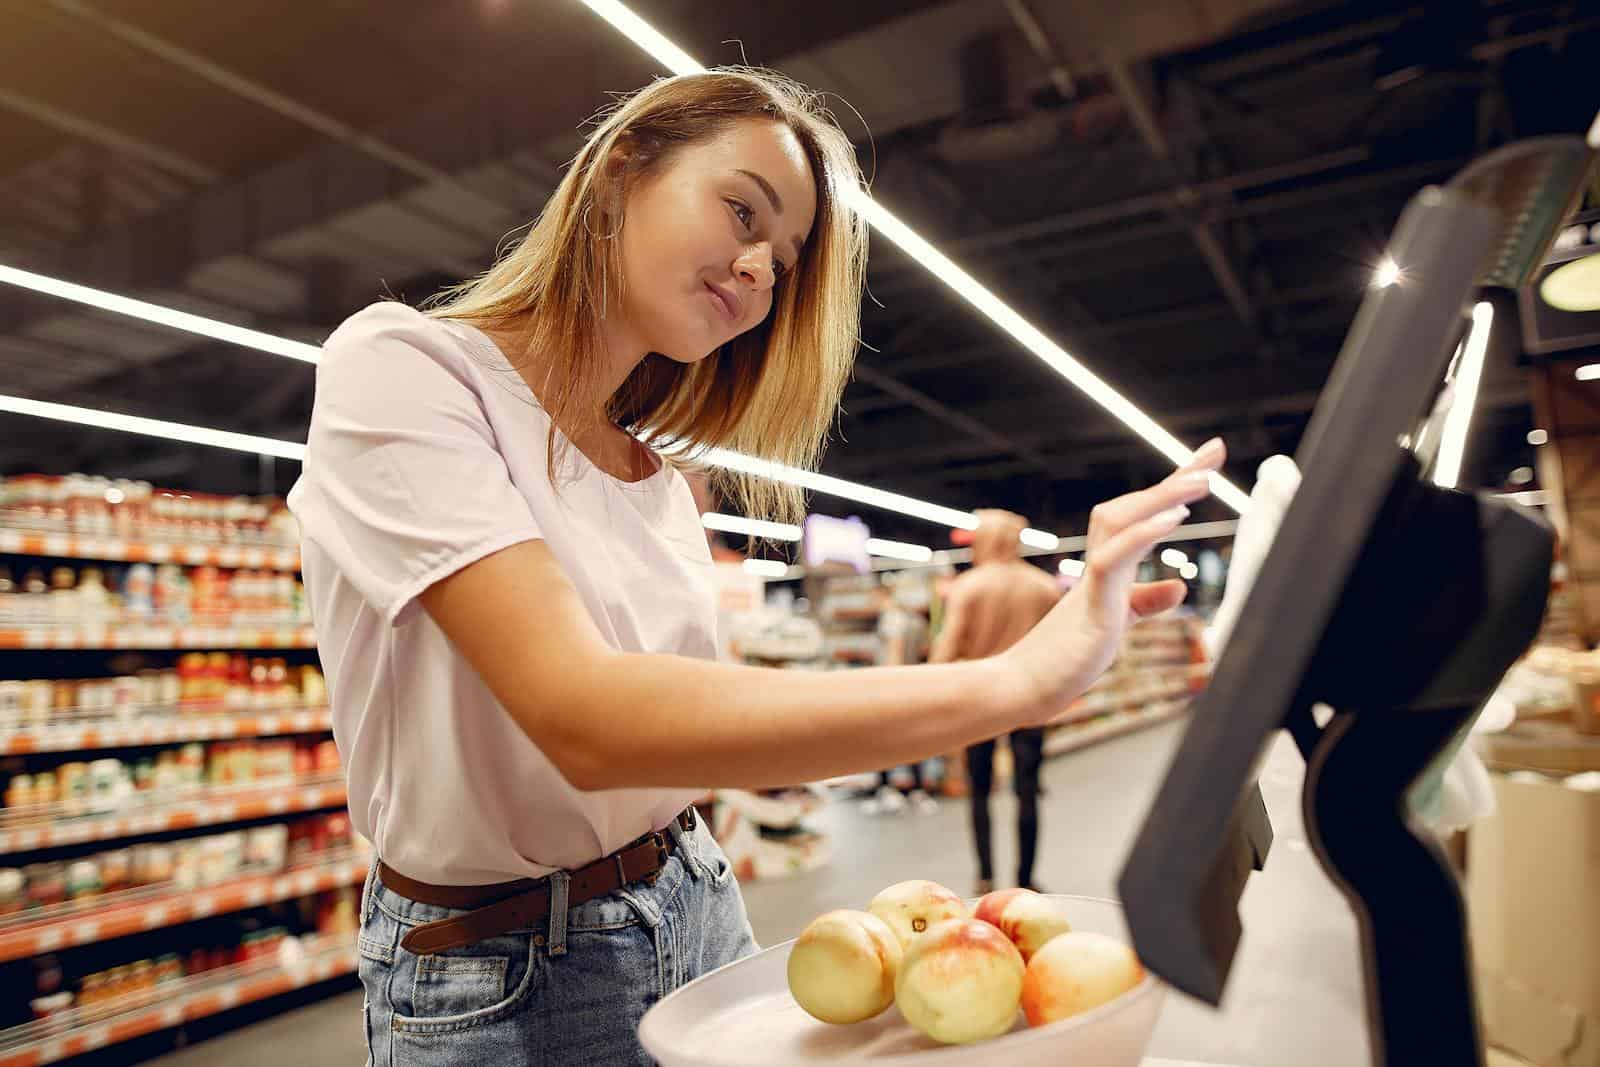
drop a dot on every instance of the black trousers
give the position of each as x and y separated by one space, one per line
916 776
1027 752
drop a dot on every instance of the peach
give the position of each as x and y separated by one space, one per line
842 968
1029 919
960 981
1075 972
912 907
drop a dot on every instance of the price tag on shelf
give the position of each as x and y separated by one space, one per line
204 905
229 997
159 553
37 637
57 545
195 554
229 556
223 812
305 884
255 897
85 933
115 549
278 804
172 1015
11 541
50 939
156 916
75 833
254 557
97 1037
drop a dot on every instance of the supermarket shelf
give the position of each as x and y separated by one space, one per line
116 916
101 732
69 546
1072 738
76 1032
109 638
206 807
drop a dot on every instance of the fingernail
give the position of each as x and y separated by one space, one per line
1208 451
1174 515
1195 480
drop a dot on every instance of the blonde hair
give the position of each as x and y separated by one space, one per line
772 392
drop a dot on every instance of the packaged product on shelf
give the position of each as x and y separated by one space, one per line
83 880
63 595
20 791
9 605
267 847
138 592
13 891
94 600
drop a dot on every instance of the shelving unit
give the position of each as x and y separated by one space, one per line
21 542
172 1004
135 910
155 638
102 932
93 732
204 806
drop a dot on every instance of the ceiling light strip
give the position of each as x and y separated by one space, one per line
171 431
161 316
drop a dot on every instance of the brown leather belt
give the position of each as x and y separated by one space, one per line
516 905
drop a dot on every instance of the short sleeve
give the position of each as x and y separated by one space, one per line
403 483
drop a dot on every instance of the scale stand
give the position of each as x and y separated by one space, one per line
1399 604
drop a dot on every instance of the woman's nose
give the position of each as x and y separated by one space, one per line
754 267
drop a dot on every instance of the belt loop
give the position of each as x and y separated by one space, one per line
684 842
559 883
367 892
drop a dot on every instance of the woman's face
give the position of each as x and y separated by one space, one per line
707 238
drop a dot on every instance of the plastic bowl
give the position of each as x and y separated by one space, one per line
743 1014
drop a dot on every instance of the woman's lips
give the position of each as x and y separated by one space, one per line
725 302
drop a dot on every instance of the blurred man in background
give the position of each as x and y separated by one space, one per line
989 607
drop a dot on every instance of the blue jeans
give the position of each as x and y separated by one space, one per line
565 993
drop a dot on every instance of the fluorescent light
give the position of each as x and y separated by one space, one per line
1453 442
826 483
1537 437
1174 558
1521 476
963 284
1188 572
1072 568
645 36
1040 539
171 431
738 524
899 550
161 316
1588 372
767 568
1385 274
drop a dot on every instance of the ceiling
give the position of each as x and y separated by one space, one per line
1188 195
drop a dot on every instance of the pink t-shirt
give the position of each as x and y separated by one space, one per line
427 452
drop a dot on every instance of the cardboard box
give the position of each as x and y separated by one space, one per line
1533 875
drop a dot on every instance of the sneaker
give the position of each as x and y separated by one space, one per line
922 803
890 800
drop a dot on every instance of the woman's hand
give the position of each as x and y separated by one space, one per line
1073 645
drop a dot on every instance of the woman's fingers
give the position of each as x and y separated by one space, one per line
1131 545
1153 598
1184 486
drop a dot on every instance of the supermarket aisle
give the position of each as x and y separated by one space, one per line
1295 993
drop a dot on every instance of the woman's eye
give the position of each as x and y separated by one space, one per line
742 213
779 269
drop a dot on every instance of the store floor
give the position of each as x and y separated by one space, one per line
1295 992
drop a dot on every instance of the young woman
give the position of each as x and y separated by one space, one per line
512 594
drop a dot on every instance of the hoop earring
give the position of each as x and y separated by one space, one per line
598 236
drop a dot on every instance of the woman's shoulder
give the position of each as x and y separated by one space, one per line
392 321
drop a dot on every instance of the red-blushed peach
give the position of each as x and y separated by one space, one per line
842 968
960 981
1029 919
1075 972
912 907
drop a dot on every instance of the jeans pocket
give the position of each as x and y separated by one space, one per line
469 986
456 985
